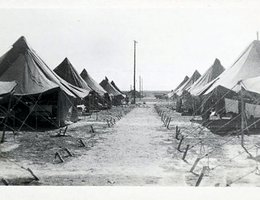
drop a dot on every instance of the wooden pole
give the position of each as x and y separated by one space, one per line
140 86
177 133
242 117
179 146
185 152
169 121
34 176
134 67
195 164
201 175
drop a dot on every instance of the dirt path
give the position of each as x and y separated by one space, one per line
134 152
137 150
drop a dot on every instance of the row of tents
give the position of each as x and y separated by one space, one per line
223 90
31 91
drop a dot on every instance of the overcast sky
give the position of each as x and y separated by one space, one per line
174 37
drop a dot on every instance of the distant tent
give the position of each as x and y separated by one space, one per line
213 72
195 76
246 66
92 83
67 72
186 78
36 82
116 95
114 85
109 88
191 101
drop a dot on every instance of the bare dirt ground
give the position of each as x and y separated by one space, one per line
137 150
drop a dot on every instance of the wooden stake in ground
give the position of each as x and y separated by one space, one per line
68 152
195 164
168 124
59 156
92 129
201 175
179 146
5 182
82 144
34 176
185 152
177 132
108 123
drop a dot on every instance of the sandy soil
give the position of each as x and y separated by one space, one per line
137 150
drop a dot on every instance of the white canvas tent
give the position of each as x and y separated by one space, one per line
213 72
195 76
170 94
246 66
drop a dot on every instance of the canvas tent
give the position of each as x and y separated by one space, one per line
252 84
37 84
191 100
116 95
213 72
67 72
102 99
92 83
246 66
115 86
186 78
227 85
195 76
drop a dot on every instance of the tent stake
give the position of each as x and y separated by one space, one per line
185 152
92 129
170 119
195 164
201 175
5 182
108 124
68 152
59 156
179 146
34 176
82 144
177 133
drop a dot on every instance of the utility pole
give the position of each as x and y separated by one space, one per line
140 87
257 36
134 66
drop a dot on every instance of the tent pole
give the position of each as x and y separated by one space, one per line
242 117
243 122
